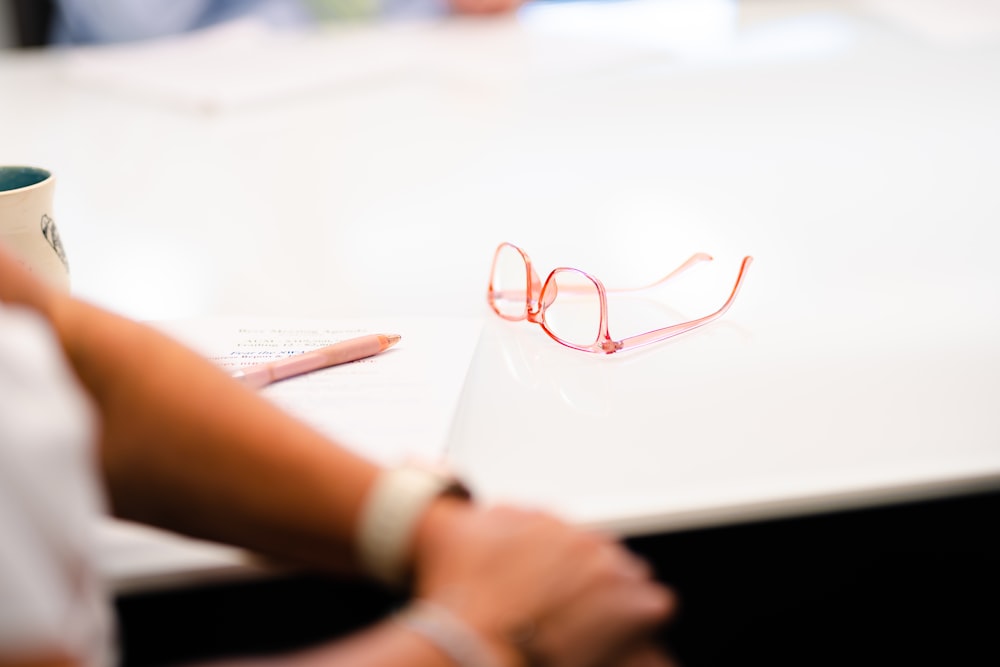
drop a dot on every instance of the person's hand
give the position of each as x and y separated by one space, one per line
536 588
483 6
19 285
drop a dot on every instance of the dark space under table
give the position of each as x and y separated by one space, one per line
906 584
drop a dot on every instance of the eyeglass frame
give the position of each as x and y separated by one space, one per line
534 309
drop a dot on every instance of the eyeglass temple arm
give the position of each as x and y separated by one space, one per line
677 329
696 258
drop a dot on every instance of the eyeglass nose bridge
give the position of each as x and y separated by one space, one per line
535 308
542 297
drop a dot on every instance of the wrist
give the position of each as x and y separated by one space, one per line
393 516
443 581
444 516
464 644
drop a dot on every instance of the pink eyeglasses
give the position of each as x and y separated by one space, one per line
580 319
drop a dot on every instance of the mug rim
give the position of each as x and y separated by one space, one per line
44 174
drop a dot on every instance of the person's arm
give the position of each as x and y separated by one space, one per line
186 447
41 662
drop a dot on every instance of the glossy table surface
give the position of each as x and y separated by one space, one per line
852 148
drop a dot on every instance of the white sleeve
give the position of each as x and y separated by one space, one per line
52 603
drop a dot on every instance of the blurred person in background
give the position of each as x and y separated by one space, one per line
101 413
106 21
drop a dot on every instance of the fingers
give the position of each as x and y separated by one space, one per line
585 598
617 605
607 601
646 654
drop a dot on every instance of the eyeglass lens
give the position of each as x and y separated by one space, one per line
572 307
573 318
509 283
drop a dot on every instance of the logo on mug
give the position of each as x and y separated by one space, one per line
51 235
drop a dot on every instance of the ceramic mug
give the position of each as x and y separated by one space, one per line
27 227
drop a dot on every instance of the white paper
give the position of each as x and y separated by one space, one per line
392 407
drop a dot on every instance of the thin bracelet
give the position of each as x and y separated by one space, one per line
390 514
449 633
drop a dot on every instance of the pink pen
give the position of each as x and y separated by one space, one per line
343 352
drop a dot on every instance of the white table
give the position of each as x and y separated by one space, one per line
854 153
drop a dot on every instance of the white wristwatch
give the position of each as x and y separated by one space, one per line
390 515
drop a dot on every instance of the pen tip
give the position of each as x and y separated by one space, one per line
391 339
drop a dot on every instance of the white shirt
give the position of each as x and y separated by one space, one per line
52 602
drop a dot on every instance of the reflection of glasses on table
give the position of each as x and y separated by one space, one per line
572 306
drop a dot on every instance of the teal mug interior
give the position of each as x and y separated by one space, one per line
15 178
